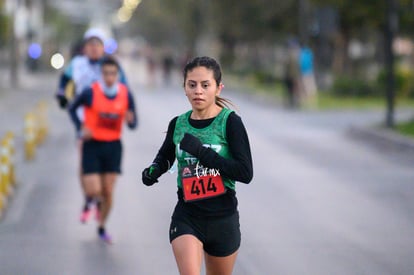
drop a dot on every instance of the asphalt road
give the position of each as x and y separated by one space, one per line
320 202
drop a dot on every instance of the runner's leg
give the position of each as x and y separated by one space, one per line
88 199
93 185
108 183
188 252
220 265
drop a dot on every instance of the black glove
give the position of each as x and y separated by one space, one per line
62 100
151 174
191 144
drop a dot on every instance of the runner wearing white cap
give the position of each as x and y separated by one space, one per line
82 71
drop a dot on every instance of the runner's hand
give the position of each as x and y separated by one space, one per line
191 144
151 174
85 133
62 100
129 117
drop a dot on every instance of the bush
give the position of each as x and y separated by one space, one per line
264 77
346 86
355 87
406 128
404 82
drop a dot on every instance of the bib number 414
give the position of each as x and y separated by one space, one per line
197 188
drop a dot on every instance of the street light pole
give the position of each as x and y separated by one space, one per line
303 20
14 60
391 26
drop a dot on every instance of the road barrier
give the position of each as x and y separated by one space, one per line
7 176
41 121
12 146
35 129
35 132
30 129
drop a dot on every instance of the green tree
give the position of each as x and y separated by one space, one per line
4 25
356 19
252 21
406 11
231 21
355 14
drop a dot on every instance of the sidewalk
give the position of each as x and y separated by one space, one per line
383 139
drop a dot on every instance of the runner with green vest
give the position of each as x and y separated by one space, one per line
212 150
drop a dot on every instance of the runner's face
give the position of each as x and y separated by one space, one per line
110 74
201 88
94 49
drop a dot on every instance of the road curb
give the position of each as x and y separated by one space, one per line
383 138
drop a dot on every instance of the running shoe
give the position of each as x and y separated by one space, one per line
105 238
85 215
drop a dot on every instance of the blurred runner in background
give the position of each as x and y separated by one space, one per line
82 71
292 74
308 82
107 104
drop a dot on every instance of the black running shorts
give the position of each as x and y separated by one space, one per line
220 235
101 157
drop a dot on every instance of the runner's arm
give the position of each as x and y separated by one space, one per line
84 99
132 108
240 166
65 78
166 154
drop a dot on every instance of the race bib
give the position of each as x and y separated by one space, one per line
201 183
109 121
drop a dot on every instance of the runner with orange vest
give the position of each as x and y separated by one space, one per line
81 72
107 104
